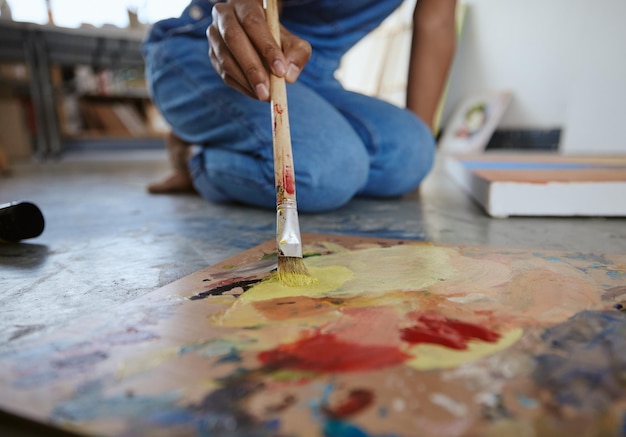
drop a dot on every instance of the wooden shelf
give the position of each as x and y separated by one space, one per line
140 94
47 52
127 113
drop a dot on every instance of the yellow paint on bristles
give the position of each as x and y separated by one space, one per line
292 272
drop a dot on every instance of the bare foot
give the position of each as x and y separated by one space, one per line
179 181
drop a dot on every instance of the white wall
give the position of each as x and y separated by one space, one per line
564 61
595 116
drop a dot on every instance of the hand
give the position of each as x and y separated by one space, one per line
243 51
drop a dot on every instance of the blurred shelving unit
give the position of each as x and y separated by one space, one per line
79 87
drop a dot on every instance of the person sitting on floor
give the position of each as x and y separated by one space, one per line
208 73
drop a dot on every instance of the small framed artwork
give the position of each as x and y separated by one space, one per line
473 122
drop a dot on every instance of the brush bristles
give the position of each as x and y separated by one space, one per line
292 272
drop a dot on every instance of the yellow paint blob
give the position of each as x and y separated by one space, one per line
328 279
379 270
431 356
370 271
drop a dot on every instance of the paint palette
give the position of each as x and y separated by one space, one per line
396 338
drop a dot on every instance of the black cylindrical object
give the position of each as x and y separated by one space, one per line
20 220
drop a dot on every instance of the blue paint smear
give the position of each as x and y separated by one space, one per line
90 407
527 402
333 427
231 357
328 390
613 274
590 257
219 414
585 370
172 417
339 428
553 259
595 261
383 411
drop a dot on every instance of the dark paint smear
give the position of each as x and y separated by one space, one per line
218 291
231 357
325 353
614 293
436 329
129 336
222 412
287 402
80 361
357 401
586 368
23 330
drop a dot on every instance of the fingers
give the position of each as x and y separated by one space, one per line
237 38
233 56
297 53
253 22
228 68
243 51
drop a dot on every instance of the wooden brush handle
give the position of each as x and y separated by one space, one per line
283 158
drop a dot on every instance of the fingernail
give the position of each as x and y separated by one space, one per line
262 92
279 68
292 73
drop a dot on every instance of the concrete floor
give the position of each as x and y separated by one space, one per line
107 241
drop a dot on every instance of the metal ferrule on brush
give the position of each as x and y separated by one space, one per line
288 230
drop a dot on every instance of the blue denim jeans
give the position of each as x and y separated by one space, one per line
344 144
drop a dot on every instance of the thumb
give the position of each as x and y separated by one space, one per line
297 53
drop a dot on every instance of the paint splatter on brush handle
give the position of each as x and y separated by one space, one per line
283 158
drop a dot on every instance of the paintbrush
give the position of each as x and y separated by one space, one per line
291 268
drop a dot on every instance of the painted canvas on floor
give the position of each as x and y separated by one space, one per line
543 184
396 338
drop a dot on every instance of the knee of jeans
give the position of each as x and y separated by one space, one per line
328 190
404 170
419 165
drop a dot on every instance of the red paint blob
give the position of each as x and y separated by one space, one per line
325 353
357 400
290 183
278 108
436 329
